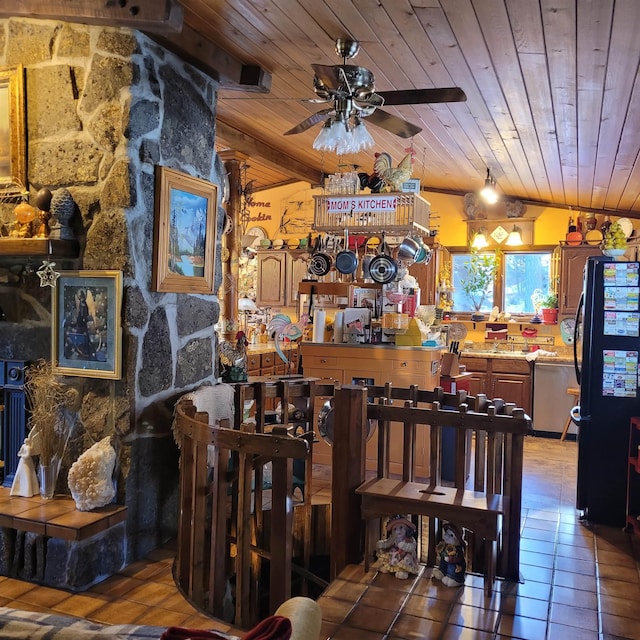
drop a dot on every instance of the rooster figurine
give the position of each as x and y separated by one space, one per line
281 327
390 176
233 359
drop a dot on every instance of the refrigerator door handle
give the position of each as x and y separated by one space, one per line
575 416
576 330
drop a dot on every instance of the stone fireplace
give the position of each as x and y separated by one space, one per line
103 107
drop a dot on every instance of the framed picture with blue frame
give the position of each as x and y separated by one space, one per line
184 233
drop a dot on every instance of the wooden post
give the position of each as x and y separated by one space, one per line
348 472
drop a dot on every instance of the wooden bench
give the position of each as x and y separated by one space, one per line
485 501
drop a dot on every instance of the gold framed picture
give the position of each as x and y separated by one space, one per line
86 335
13 142
184 238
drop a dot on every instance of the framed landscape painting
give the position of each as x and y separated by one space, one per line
86 336
184 233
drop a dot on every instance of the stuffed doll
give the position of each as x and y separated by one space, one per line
450 551
398 553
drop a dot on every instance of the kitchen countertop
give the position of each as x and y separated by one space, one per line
270 347
564 354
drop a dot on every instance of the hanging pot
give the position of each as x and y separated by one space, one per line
320 262
346 260
383 268
408 249
326 417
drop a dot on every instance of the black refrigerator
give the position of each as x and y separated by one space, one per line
606 348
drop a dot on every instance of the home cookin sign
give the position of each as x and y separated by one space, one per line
360 204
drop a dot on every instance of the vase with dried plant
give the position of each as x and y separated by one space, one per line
49 425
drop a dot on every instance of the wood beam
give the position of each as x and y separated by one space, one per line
266 154
217 63
144 15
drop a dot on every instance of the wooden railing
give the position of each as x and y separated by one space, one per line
223 529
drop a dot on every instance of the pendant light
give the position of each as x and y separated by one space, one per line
515 237
489 193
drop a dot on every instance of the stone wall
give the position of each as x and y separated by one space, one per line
104 107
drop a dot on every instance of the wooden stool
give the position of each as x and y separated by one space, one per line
572 391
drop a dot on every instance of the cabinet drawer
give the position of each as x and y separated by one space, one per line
320 361
408 365
510 366
332 375
475 364
268 360
253 362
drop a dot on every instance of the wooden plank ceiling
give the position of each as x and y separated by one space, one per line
553 106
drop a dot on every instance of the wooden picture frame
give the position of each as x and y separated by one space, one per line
184 239
86 331
13 141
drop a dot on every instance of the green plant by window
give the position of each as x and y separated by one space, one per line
478 281
550 301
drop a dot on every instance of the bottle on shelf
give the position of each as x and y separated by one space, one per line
574 237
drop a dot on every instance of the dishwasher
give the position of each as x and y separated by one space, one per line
551 402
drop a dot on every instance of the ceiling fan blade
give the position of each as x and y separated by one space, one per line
309 122
391 123
422 96
327 74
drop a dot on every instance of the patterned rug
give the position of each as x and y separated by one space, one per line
19 625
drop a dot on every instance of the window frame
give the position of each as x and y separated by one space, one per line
498 284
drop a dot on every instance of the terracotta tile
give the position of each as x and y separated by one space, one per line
45 596
527 607
574 581
151 593
536 559
116 586
349 633
625 607
163 618
574 616
371 619
430 608
529 589
574 597
521 627
328 629
452 632
562 632
10 588
536 574
539 546
414 628
619 572
463 615
80 605
334 610
474 596
620 627
608 587
389 581
382 598
120 612
345 590
587 554
585 567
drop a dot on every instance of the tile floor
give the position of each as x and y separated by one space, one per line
579 582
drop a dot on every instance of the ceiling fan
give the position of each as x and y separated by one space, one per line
352 91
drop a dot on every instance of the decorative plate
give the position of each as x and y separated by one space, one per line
567 327
626 225
457 331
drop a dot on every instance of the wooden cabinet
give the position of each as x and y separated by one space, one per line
506 378
372 364
427 274
572 261
278 276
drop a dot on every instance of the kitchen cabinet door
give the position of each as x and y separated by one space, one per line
298 269
272 279
512 388
572 261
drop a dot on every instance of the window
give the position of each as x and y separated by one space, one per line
520 278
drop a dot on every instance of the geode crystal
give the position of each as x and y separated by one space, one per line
90 476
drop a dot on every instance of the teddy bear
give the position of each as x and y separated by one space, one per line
450 551
398 552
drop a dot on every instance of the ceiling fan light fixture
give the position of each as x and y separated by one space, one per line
362 139
489 193
324 139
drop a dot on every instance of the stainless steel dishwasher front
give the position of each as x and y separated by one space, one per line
551 403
